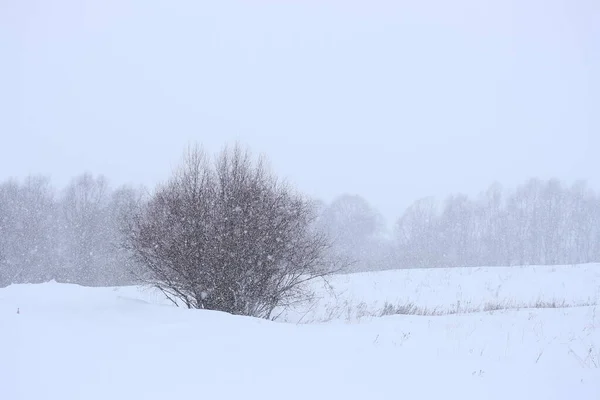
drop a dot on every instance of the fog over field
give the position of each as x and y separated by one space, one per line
299 199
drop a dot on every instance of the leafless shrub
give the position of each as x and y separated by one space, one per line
227 235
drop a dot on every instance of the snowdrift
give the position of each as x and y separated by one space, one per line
70 342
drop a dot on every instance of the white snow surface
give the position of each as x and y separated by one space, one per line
453 290
71 342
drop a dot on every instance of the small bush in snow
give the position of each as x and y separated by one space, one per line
229 236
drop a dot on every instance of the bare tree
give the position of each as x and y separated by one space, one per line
118 259
417 234
85 207
229 236
357 231
26 229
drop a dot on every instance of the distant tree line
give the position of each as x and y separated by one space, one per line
72 235
539 223
92 234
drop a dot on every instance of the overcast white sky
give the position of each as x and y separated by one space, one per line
393 100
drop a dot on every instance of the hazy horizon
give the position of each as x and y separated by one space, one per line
390 101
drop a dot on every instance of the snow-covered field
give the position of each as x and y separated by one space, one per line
69 342
452 290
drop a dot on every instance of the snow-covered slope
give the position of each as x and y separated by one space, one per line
451 290
70 342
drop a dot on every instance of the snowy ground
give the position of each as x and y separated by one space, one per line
70 342
451 290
